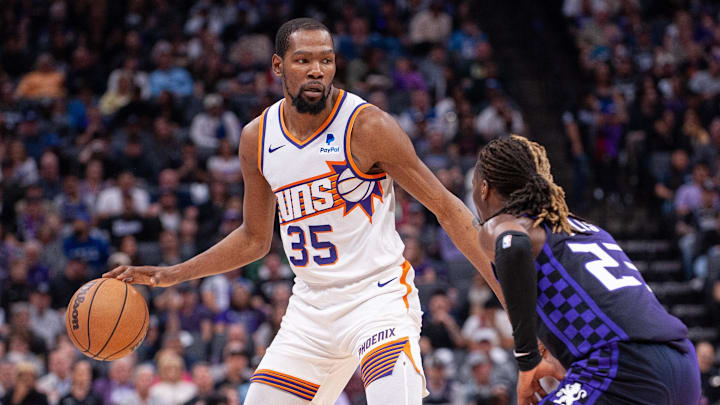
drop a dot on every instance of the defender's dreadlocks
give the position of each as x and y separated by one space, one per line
520 171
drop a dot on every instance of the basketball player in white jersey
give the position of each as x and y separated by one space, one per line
326 161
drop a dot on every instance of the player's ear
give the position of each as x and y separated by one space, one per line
277 65
484 189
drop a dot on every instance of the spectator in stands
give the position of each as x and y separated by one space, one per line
226 165
80 393
168 76
118 380
483 387
82 243
23 168
110 200
130 222
709 373
499 119
443 390
202 378
64 286
46 81
143 379
235 371
56 384
44 321
440 327
431 25
171 389
214 124
24 392
17 288
7 376
688 196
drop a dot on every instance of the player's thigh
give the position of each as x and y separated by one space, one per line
403 386
263 394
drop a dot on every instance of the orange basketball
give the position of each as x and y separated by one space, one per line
107 319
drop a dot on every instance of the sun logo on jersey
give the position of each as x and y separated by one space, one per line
338 188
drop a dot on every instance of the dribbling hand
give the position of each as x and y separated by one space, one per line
148 275
529 381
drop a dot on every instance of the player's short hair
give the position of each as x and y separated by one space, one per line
282 38
520 171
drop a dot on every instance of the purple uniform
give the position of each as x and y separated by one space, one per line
599 318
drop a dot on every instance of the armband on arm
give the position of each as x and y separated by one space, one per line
515 267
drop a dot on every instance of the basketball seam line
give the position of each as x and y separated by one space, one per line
142 326
116 323
356 187
88 314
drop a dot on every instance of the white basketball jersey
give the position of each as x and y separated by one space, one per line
337 223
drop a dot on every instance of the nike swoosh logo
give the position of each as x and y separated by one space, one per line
520 354
271 149
385 283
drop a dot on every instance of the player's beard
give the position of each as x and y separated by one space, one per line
305 107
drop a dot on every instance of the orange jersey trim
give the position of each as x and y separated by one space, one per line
261 139
323 127
403 281
348 153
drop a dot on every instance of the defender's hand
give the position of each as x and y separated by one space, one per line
148 275
529 381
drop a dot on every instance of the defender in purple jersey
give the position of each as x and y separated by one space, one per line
568 283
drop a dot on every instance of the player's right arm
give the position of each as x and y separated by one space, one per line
249 242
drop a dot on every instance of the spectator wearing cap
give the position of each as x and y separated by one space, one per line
24 392
212 125
80 393
167 76
171 389
443 390
483 386
83 244
110 200
56 383
46 81
44 321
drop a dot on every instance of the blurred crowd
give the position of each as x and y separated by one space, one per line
119 125
648 123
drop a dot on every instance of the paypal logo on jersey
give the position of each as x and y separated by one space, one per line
330 138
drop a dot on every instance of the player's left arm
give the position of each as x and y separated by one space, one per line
377 141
